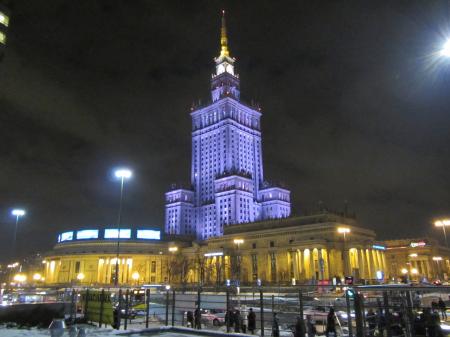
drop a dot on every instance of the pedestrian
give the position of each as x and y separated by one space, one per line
331 323
198 319
381 322
310 326
443 308
275 326
251 319
237 321
371 321
116 321
190 319
434 306
299 330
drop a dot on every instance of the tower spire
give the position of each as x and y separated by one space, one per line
223 38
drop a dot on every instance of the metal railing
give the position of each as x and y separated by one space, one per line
389 310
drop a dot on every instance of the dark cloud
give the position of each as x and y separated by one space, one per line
355 106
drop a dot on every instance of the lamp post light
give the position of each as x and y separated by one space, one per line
121 174
345 231
17 213
443 223
135 277
80 277
445 51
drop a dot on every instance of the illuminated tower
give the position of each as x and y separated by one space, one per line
226 171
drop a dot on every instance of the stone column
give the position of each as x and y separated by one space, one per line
346 261
295 263
312 272
362 264
320 263
369 264
327 264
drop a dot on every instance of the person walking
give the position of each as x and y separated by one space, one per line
371 322
198 319
251 319
331 324
275 326
310 327
299 328
237 321
443 309
190 319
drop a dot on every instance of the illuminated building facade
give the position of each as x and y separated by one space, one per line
227 184
300 250
418 259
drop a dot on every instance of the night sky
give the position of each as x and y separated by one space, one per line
355 103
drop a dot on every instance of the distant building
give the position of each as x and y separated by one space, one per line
417 259
5 15
227 184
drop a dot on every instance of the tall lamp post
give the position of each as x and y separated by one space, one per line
121 174
17 213
443 223
345 231
238 243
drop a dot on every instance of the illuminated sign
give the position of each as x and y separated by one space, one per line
380 275
87 234
379 247
418 244
112 234
213 254
66 236
148 234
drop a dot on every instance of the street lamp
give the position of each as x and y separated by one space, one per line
445 51
121 174
135 277
345 231
80 277
443 223
17 213
238 243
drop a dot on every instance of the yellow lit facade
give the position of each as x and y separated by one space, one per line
301 250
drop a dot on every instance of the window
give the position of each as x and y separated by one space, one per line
153 267
4 19
255 265
273 266
77 267
272 244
